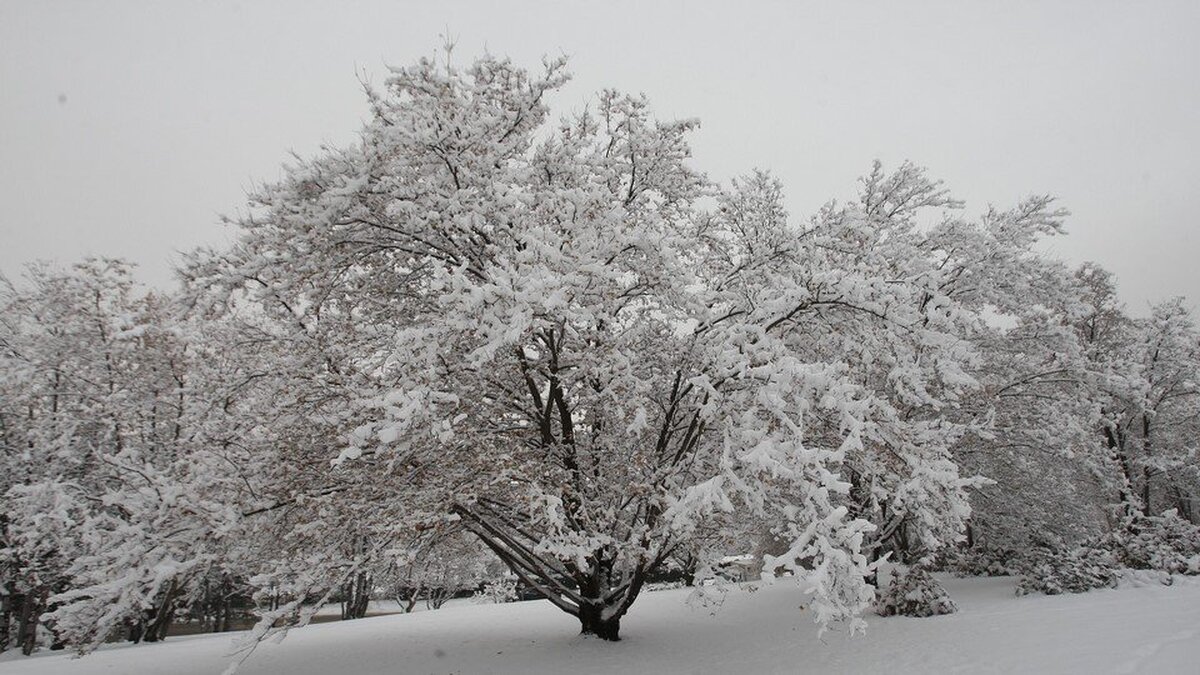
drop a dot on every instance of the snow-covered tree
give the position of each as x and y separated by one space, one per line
1169 351
94 433
1037 442
121 492
545 330
1145 375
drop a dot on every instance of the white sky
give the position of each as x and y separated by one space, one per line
126 128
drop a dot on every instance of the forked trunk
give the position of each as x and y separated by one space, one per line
595 593
436 597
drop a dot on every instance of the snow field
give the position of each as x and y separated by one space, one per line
1140 628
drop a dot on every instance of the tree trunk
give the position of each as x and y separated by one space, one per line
436 597
407 598
8 596
1146 451
30 614
357 596
1114 438
594 594
591 622
1182 503
158 621
6 614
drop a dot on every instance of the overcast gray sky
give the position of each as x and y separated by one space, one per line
127 128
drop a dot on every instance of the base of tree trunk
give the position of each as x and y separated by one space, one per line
604 629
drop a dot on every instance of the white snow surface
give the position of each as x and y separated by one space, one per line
1140 628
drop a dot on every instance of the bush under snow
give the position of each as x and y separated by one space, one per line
914 593
983 561
1166 543
1075 570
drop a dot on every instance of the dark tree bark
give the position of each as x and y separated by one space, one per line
155 623
30 606
9 595
1182 503
6 614
1147 449
1114 438
597 594
356 596
407 598
592 622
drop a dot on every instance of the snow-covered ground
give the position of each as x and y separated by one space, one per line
388 606
1146 629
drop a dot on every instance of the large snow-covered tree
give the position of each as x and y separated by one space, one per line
578 346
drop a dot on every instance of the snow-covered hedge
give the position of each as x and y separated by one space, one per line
983 561
914 593
1166 543
1074 570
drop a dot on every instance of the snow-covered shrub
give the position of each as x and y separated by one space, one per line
914 593
1166 543
1143 578
497 592
1076 570
983 561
